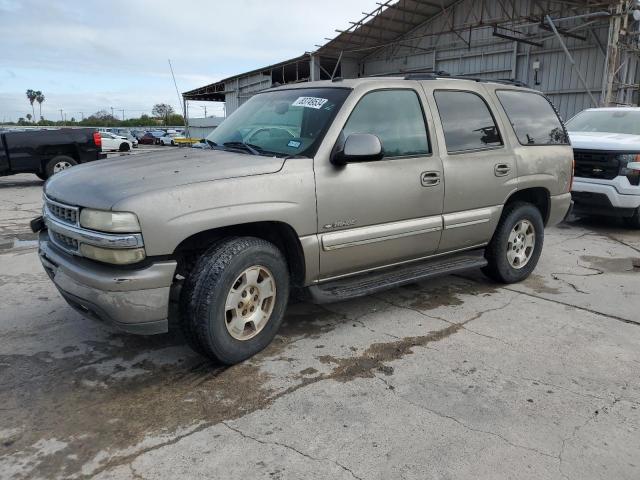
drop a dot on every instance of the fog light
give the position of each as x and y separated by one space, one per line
112 255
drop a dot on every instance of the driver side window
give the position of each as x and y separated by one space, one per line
396 117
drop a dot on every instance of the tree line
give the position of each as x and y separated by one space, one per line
161 114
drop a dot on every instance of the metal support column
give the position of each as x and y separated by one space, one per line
571 60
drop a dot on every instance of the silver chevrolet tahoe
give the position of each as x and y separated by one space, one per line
332 189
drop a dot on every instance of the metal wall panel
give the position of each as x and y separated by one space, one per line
491 57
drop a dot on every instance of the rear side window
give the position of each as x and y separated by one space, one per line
395 116
533 118
467 121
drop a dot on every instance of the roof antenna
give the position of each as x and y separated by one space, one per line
184 113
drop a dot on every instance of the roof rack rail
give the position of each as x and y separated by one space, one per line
431 75
511 81
437 75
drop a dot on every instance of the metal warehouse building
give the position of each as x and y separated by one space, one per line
580 53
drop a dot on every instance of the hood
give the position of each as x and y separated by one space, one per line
605 141
103 183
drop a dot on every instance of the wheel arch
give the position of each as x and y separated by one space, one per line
49 154
281 234
539 197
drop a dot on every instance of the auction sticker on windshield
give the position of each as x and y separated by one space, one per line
310 102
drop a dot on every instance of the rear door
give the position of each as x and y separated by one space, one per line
377 213
479 166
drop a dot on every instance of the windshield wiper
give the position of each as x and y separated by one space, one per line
246 146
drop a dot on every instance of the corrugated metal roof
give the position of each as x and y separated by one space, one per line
387 23
216 91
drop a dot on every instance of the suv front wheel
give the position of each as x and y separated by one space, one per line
516 245
234 300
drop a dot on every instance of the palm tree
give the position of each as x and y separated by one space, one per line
29 117
40 99
31 95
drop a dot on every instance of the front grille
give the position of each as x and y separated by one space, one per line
596 164
63 213
64 242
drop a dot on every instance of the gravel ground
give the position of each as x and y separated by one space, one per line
454 378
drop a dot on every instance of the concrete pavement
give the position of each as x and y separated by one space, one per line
453 378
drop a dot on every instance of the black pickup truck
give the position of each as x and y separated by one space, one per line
46 152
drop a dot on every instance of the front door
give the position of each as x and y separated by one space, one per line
479 170
377 213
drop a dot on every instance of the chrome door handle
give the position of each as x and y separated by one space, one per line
430 179
502 169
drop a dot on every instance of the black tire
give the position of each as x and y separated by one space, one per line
634 220
56 163
124 147
41 175
173 143
203 297
499 267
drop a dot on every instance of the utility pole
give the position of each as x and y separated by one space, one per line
61 116
81 115
123 115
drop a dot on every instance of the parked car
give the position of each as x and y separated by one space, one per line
158 134
132 139
388 181
47 152
606 144
170 139
138 134
148 139
113 142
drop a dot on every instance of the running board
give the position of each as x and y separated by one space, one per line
379 280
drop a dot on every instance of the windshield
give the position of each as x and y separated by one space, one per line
607 121
282 122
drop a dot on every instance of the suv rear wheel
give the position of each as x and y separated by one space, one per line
516 245
234 300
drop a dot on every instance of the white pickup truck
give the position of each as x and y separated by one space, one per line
606 144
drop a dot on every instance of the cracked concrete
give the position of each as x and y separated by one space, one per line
452 378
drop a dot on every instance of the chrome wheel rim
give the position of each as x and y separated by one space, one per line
250 303
58 167
521 243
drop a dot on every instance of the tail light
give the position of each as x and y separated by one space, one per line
97 139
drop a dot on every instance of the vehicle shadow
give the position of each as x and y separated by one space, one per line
598 223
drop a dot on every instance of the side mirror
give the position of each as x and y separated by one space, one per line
359 147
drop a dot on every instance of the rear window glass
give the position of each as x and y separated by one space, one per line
466 120
533 118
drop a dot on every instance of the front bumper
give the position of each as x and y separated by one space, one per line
135 301
619 192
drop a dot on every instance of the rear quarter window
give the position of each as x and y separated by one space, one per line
533 118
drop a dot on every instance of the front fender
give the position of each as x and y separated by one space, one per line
169 216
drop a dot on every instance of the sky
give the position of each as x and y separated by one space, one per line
89 55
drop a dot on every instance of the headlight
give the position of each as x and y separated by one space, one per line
629 163
112 255
112 222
